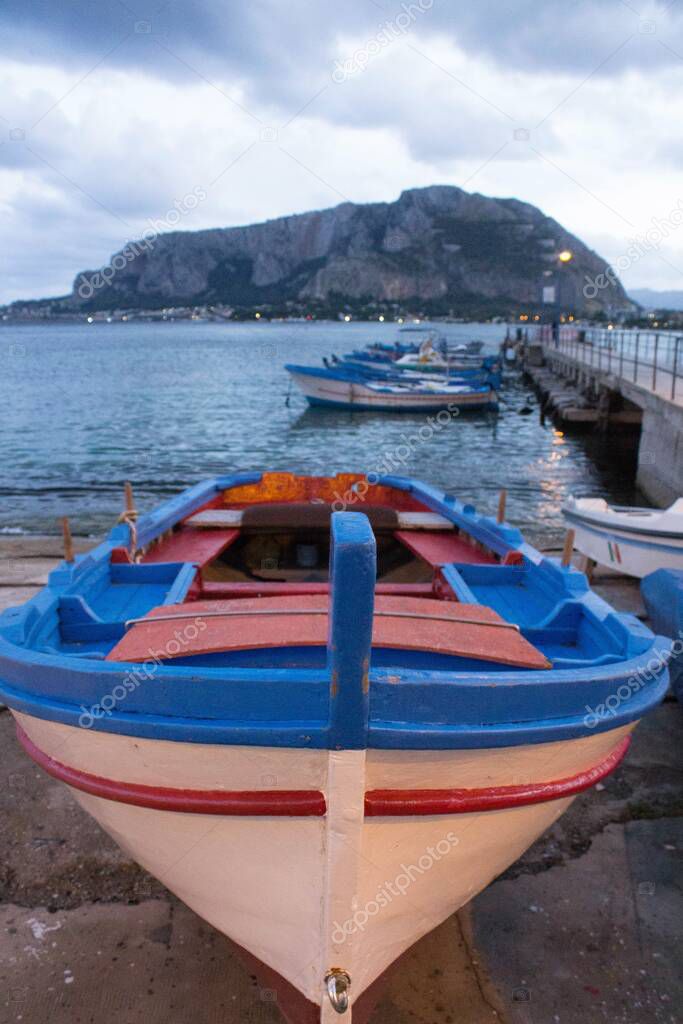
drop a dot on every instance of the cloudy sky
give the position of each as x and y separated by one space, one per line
112 111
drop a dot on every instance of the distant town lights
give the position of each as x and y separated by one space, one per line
347 318
381 319
257 316
565 256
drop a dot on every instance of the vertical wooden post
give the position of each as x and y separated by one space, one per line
502 501
68 541
129 499
353 570
568 549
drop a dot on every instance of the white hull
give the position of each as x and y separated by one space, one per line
635 541
329 391
304 894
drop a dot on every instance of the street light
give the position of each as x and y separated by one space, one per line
564 258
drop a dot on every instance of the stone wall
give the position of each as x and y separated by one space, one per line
660 455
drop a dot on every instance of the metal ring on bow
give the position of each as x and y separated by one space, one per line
338 984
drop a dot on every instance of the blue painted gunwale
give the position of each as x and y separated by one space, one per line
291 707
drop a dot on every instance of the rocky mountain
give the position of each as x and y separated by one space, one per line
439 249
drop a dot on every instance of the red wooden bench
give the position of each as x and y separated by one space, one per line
405 623
442 548
189 545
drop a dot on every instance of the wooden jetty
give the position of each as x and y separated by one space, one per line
569 404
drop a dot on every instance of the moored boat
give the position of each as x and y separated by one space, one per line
481 371
436 356
341 388
662 592
636 541
323 711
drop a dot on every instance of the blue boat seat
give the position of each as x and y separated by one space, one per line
549 615
128 591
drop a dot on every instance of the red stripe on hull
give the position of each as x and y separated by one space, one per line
311 803
409 802
276 803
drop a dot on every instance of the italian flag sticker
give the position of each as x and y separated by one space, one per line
614 552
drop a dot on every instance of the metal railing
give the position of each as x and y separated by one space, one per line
650 359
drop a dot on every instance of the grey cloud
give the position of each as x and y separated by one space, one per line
280 50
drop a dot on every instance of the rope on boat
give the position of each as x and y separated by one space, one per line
318 611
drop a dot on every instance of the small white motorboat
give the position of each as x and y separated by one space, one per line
636 541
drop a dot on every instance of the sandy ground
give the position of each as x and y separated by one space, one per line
586 927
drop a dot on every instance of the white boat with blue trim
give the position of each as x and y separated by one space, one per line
342 388
324 711
636 541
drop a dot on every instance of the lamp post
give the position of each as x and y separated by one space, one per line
564 258
551 293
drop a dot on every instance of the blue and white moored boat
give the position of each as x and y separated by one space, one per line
296 699
342 388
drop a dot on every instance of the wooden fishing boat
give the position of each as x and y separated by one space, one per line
375 373
636 541
347 388
325 712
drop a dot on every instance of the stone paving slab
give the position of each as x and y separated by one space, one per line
592 939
